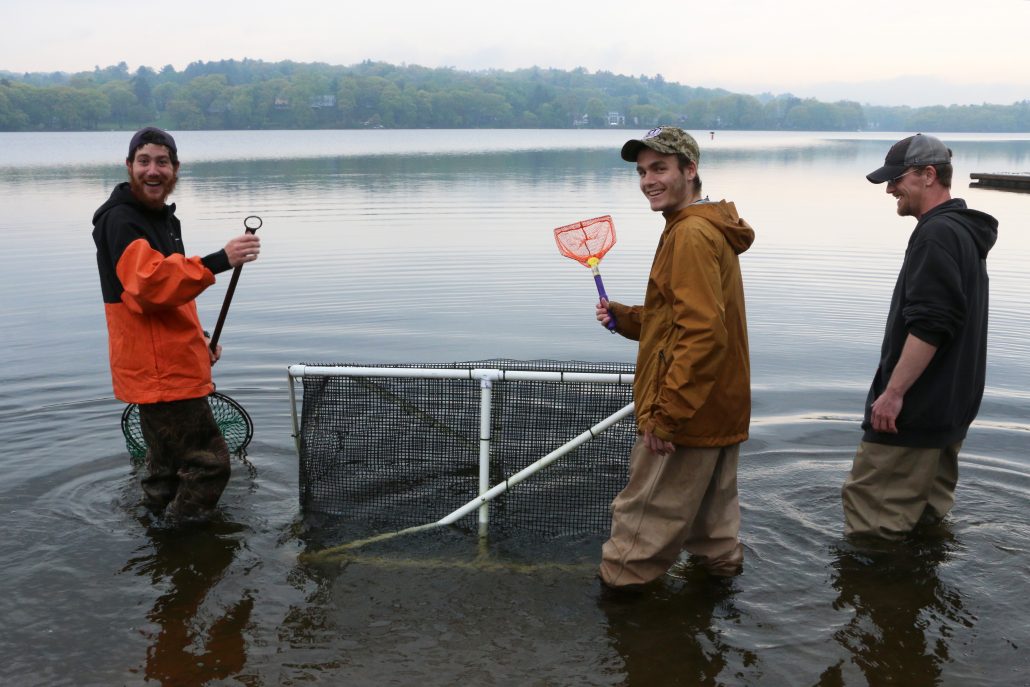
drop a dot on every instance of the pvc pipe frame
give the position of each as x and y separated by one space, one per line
486 378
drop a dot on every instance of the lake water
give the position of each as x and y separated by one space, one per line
436 246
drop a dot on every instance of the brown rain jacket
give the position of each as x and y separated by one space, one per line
693 374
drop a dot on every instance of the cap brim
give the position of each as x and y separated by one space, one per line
885 173
631 150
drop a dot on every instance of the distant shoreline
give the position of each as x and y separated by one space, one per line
256 95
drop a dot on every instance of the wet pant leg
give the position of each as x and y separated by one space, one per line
187 458
161 480
942 493
688 495
891 487
713 536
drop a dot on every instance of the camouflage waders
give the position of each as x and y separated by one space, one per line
187 458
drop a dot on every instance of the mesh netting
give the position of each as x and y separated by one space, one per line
233 421
401 451
591 238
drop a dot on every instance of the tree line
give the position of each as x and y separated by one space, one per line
253 94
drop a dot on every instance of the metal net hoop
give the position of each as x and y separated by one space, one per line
233 422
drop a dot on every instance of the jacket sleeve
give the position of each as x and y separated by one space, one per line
627 319
698 340
153 281
935 308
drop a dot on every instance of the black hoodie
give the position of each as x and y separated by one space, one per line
941 297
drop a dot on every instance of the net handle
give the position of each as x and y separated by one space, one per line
251 224
602 294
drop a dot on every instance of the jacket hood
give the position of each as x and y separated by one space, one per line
122 195
724 217
982 227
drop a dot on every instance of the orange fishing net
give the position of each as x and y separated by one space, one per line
586 241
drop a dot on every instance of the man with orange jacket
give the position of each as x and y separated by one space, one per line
160 358
692 386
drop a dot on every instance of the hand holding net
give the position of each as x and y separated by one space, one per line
586 242
251 225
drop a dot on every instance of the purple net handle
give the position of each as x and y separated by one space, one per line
601 292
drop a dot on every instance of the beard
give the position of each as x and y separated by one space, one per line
144 194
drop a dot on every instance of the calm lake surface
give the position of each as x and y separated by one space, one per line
435 247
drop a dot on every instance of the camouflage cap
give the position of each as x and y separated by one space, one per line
664 139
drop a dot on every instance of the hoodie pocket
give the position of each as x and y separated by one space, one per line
659 377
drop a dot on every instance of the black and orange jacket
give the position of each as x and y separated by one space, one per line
155 340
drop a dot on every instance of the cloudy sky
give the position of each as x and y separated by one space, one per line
875 51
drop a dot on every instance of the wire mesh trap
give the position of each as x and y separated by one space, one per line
391 445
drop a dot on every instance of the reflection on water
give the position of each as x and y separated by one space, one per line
904 614
193 643
673 636
437 247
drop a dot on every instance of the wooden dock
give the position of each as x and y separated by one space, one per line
1013 181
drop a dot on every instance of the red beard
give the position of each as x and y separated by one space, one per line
145 194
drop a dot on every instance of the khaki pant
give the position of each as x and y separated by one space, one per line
684 501
892 488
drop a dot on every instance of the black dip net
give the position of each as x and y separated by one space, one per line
395 452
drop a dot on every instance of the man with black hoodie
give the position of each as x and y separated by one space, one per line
159 353
930 380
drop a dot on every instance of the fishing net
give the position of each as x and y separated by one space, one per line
391 452
233 421
586 241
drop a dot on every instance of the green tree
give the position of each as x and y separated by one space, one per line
737 112
12 118
644 115
597 113
184 113
93 108
122 101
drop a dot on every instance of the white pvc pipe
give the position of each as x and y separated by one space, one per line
485 399
293 414
301 371
525 472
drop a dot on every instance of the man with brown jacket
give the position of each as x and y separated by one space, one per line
692 386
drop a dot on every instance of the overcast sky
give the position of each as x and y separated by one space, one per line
875 51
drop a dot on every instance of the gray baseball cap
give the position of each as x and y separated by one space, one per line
915 151
669 140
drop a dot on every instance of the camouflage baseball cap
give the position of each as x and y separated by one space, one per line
664 139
